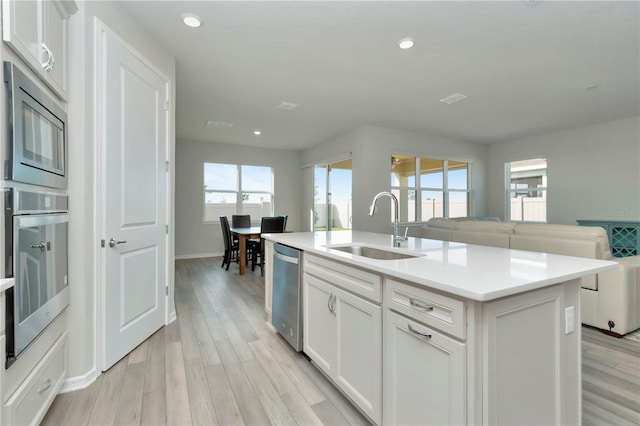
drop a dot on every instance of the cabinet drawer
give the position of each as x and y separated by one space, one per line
355 280
433 309
30 402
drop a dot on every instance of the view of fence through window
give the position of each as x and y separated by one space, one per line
332 209
442 189
237 189
527 190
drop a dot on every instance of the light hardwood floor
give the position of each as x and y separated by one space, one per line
220 364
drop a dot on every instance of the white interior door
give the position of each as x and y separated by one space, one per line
134 199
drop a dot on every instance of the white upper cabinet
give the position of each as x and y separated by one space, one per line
37 31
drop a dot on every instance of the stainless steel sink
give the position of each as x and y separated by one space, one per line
374 253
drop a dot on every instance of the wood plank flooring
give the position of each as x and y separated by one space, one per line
218 364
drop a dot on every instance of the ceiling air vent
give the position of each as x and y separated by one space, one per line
218 124
287 106
452 99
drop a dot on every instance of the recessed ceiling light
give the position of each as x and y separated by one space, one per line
257 132
191 20
452 99
406 43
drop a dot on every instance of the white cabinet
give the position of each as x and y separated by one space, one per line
425 375
30 402
447 359
343 337
37 31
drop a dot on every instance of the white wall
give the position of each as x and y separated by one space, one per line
371 148
83 227
593 171
195 238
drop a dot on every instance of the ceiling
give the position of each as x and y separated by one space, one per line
526 67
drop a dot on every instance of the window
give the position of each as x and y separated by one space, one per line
237 189
332 209
527 190
442 187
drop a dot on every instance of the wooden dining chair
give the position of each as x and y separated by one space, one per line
231 249
268 225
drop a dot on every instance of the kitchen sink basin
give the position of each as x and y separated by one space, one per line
374 253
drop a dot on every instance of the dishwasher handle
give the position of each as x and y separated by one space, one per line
284 258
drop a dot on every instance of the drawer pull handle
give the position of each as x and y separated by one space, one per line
45 387
416 332
427 308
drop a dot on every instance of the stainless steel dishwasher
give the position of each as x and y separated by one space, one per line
286 301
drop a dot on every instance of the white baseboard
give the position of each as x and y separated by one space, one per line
172 317
198 256
79 382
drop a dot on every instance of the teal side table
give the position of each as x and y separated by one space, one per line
624 236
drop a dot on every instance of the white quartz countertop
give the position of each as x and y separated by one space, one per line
474 272
6 283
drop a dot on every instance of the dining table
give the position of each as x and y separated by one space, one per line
243 235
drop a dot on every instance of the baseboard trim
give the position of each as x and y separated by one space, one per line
198 256
79 382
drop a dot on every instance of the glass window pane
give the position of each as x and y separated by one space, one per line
431 173
403 170
340 191
257 205
406 205
458 204
320 198
218 204
528 208
220 176
432 204
256 178
528 195
457 175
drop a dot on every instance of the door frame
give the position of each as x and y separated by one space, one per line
100 30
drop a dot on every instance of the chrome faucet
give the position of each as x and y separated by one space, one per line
372 209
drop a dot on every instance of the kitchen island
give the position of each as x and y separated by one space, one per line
459 334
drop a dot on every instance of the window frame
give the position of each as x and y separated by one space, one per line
239 203
418 189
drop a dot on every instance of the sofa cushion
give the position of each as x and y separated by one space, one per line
568 232
441 223
483 226
563 246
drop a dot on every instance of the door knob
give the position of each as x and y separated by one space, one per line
113 242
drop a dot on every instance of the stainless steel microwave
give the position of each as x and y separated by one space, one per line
37 133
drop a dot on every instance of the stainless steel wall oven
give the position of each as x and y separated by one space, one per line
36 256
37 133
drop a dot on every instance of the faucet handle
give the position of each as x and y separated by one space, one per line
406 231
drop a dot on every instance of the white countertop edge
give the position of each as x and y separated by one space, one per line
386 268
6 283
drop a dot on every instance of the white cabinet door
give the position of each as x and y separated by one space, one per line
319 323
359 352
425 375
37 31
528 353
55 40
21 28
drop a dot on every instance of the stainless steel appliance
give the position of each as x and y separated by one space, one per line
36 256
286 301
37 133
